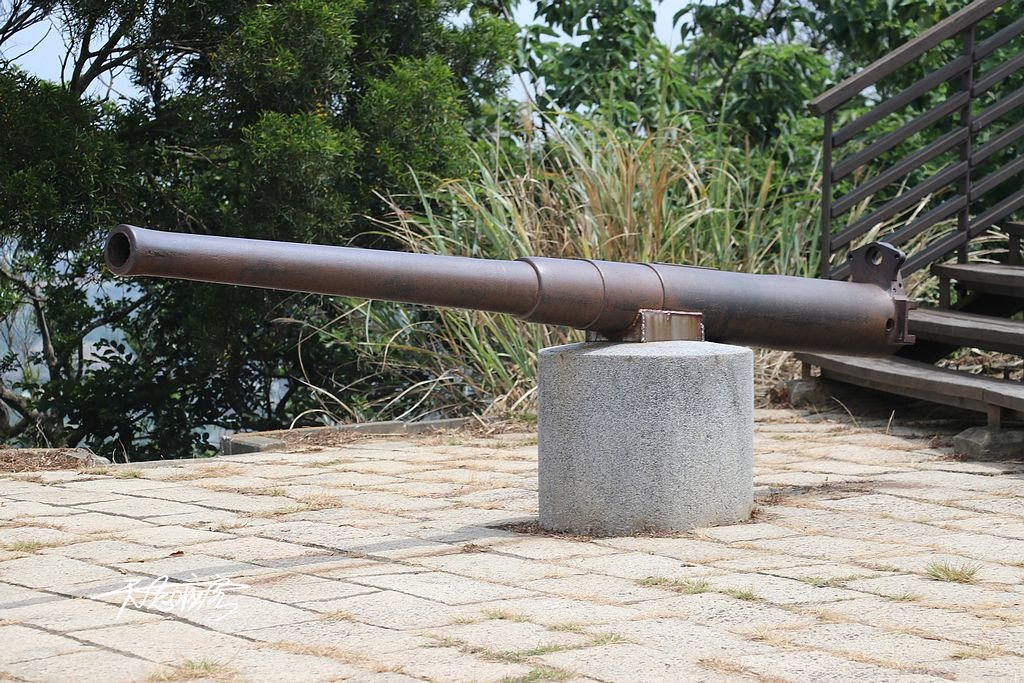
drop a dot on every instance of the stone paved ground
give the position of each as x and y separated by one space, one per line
874 555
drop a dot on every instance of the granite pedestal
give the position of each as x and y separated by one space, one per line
645 438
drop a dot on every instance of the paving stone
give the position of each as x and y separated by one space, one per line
825 573
992 525
449 589
110 485
270 664
307 532
303 590
745 532
30 535
901 508
504 635
685 549
628 662
62 496
494 567
49 571
822 666
987 572
23 644
90 664
451 665
167 641
840 467
782 479
100 523
777 589
359 639
909 617
765 562
396 610
240 612
994 669
394 546
456 535
350 589
106 552
874 643
212 520
58 613
682 635
392 503
964 596
638 566
833 548
144 508
724 612
601 589
250 549
921 479
552 611
351 480
548 549
984 547
189 566
171 536
10 593
14 509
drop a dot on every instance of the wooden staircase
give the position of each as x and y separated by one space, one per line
986 294
949 173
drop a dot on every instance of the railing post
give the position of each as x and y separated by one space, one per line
964 185
826 200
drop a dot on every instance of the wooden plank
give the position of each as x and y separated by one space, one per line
997 178
998 110
909 164
920 380
900 203
1009 136
967 329
996 213
903 55
999 39
993 278
953 69
911 128
997 74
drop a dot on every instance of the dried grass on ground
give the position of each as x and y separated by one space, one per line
39 459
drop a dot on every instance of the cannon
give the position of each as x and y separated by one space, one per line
631 437
865 317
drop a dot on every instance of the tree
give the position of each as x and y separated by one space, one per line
279 121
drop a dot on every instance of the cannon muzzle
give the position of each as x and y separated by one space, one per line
865 317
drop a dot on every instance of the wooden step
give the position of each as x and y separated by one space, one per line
991 278
967 329
923 381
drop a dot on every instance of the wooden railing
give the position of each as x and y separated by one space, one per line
880 181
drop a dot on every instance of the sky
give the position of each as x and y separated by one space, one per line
44 60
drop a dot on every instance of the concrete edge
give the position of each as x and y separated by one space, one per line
256 442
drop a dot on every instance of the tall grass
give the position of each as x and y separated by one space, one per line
675 195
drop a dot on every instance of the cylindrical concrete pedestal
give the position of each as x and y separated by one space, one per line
652 437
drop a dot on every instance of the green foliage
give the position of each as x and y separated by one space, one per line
280 121
615 64
592 191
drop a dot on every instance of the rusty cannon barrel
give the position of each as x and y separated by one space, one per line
864 317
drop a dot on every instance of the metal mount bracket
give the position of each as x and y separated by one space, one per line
652 325
879 264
